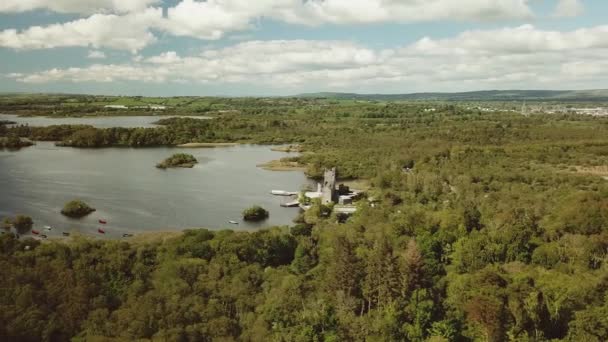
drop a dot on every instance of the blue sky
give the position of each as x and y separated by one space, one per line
283 47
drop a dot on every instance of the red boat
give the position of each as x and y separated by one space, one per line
35 232
101 231
103 221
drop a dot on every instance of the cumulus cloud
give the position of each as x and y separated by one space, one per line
525 58
129 24
264 59
522 39
568 8
222 16
96 54
374 11
76 6
311 11
125 32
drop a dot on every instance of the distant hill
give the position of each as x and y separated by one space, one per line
488 95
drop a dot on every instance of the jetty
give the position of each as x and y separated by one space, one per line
291 204
327 192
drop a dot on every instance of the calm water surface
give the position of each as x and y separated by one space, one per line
95 121
134 196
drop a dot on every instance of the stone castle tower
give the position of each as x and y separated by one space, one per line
329 187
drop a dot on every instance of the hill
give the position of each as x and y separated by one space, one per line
488 95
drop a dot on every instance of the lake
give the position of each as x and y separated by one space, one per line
95 121
134 196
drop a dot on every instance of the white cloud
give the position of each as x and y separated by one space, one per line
522 39
212 19
97 73
96 54
226 12
526 57
258 59
168 57
76 6
374 11
568 8
129 24
128 32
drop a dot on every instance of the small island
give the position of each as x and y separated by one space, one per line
255 214
178 160
76 209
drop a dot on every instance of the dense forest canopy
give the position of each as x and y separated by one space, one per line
484 226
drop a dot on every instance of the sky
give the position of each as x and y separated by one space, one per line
288 47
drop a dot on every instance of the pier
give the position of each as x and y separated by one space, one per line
291 204
327 192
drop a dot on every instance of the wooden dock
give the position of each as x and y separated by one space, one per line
290 204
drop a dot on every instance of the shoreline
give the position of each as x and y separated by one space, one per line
207 145
279 165
288 149
136 238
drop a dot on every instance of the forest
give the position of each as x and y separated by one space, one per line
478 226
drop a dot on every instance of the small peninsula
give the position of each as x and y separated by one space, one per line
76 209
178 160
14 142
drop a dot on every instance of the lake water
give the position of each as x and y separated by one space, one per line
96 121
134 196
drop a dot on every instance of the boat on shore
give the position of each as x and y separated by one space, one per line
126 235
35 232
65 234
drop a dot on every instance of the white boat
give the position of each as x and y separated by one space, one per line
48 228
233 222
283 193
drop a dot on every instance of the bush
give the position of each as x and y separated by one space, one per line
20 223
255 213
76 208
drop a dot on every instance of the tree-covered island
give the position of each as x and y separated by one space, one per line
255 214
178 160
76 209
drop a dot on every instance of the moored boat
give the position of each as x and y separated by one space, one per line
102 221
35 232
233 222
101 231
283 193
65 234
